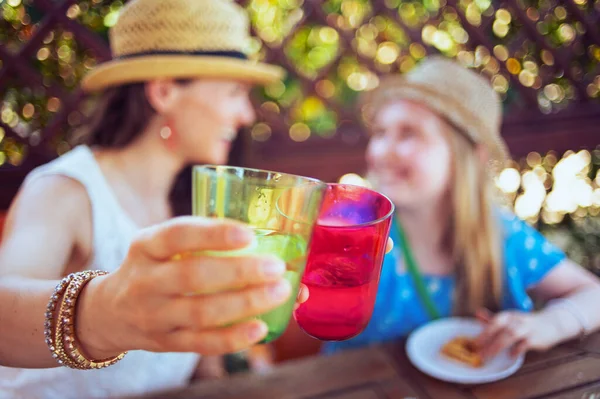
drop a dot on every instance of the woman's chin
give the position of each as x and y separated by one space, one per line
216 157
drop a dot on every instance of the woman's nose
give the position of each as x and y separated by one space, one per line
247 113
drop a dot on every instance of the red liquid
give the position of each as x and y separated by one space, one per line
344 318
344 263
342 275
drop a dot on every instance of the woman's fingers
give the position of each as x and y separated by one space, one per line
190 234
214 341
205 274
217 310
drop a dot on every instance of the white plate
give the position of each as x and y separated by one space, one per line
423 349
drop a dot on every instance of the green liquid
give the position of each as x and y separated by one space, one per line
292 250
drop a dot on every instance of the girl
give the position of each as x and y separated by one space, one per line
434 148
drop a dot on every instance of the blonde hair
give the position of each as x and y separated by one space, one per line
473 236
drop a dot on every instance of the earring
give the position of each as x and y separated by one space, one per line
167 134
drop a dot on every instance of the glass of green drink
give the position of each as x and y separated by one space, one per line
282 209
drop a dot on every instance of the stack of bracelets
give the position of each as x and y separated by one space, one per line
59 327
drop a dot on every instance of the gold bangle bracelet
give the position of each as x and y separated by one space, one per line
67 325
50 323
63 341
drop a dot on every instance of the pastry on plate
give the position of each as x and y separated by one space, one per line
463 350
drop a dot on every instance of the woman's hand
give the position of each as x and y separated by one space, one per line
517 331
146 304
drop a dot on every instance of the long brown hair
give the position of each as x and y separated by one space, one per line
120 116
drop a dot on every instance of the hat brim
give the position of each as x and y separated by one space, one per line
144 68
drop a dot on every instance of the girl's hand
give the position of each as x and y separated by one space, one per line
517 331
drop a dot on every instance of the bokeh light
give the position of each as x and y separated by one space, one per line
354 179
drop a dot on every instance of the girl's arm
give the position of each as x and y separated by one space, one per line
573 295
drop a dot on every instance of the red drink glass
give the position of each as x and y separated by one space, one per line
344 262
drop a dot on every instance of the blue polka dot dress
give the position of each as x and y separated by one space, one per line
528 257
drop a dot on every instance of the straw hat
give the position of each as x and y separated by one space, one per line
179 39
461 96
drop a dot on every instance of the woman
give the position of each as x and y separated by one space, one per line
435 137
175 93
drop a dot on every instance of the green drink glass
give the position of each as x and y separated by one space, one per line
281 208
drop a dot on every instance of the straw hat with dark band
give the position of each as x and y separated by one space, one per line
179 39
462 97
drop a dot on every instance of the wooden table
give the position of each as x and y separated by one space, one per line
570 371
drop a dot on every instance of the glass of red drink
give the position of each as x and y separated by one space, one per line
344 262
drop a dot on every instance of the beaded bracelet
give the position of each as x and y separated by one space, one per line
60 333
65 337
50 324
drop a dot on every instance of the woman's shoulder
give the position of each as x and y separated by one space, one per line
63 178
59 178
52 197
49 194
73 162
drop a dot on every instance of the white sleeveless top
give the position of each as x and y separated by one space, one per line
139 372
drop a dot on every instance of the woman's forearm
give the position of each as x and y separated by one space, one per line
23 304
